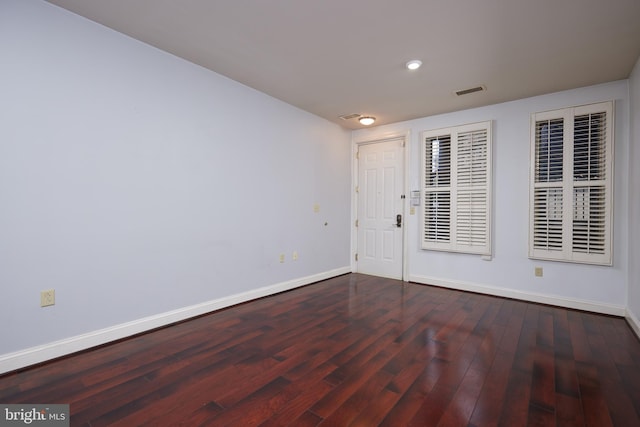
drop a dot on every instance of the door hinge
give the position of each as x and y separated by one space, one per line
357 188
357 223
357 155
356 257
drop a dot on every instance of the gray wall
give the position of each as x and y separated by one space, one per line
135 183
510 272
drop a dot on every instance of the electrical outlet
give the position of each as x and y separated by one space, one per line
294 256
538 271
47 298
281 258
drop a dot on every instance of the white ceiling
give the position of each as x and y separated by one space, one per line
333 57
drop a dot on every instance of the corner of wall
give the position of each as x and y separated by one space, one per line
633 322
633 277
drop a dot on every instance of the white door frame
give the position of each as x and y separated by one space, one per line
373 138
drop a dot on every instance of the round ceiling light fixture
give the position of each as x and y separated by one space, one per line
367 120
414 64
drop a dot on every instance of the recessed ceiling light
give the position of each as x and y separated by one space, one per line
414 64
367 120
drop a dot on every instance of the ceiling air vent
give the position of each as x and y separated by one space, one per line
470 90
349 116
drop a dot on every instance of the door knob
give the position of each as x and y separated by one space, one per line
398 220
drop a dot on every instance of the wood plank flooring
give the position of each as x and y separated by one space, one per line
356 350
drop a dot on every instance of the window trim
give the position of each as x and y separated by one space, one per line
568 185
452 245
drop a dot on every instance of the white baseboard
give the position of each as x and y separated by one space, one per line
559 301
31 356
633 322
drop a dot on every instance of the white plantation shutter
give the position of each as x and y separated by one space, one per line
589 222
438 220
547 221
571 194
590 183
548 191
437 197
457 181
472 190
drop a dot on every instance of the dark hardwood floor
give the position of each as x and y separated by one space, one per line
356 350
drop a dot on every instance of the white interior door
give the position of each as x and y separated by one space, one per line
380 201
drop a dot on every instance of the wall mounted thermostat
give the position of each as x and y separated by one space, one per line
415 197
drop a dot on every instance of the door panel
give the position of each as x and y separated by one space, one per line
380 181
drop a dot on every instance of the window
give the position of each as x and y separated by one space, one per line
456 176
571 179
